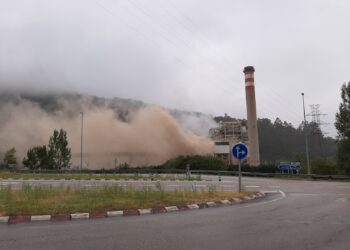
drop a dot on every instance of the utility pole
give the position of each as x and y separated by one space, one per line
81 141
306 141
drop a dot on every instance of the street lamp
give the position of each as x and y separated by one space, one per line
306 141
81 141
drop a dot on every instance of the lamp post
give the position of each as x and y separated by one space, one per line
306 140
81 141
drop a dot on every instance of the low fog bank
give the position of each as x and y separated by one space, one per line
116 131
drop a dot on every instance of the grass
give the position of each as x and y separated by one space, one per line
83 176
36 200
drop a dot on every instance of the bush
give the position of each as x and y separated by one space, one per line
265 168
323 167
196 162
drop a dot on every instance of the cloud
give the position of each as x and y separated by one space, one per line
181 54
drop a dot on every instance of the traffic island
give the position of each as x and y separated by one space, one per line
127 212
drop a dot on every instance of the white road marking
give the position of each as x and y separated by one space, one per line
299 221
10 183
305 194
252 186
196 185
283 195
341 200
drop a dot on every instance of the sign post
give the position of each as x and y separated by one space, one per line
240 152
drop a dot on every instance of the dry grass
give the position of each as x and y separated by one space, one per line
48 200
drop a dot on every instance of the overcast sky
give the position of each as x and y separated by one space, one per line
185 54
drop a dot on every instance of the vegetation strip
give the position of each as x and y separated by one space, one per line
39 200
100 177
129 212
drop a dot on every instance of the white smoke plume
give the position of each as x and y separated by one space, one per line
150 137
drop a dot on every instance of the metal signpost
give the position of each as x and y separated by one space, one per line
240 152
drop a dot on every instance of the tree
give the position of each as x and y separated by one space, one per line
38 158
59 152
56 155
10 157
342 124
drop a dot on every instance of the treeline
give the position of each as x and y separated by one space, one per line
207 162
55 156
280 141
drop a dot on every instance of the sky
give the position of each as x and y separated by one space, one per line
182 54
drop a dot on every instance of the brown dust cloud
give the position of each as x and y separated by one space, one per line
151 135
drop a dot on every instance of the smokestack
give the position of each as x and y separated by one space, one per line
253 146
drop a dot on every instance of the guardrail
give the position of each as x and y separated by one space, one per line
181 171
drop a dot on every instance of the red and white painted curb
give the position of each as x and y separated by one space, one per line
128 212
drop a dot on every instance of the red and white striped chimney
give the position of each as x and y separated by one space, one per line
253 144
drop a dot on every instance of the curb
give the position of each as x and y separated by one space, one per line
128 212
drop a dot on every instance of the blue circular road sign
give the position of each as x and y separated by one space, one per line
240 151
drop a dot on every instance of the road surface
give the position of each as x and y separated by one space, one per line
295 215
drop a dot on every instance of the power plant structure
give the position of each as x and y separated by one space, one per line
232 131
253 145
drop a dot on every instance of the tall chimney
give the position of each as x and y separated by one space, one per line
253 146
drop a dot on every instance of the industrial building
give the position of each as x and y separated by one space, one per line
233 131
225 136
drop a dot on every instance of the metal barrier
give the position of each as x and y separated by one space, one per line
182 171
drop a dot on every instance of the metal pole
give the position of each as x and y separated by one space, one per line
81 141
239 177
306 140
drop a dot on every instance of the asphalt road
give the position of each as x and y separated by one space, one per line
295 215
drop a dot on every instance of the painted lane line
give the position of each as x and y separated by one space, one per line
149 185
252 186
300 221
10 183
283 195
305 194
264 192
341 200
